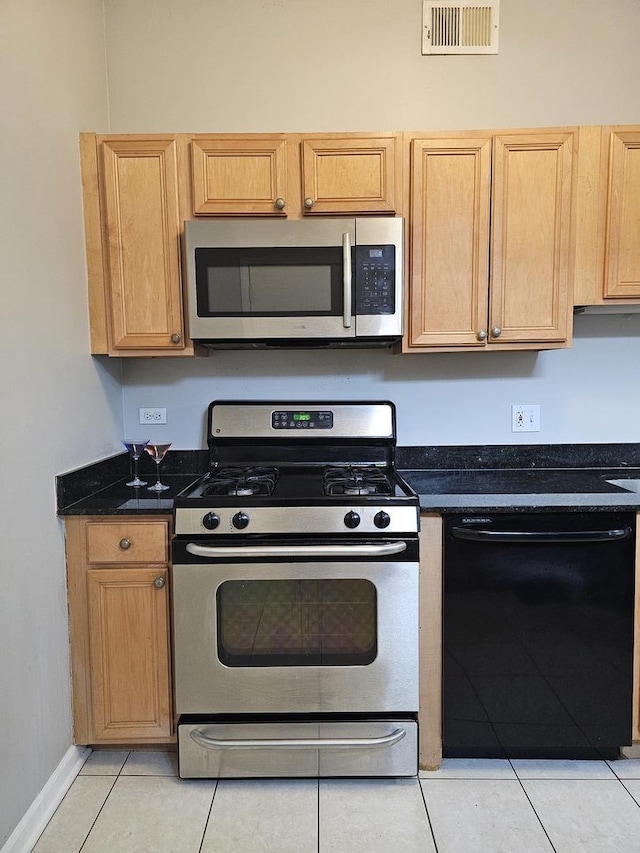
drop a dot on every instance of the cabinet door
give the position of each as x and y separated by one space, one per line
531 233
129 654
141 228
354 175
622 251
239 175
450 202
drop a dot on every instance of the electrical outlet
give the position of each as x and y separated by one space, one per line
152 416
525 418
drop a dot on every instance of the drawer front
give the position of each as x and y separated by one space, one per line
240 750
128 542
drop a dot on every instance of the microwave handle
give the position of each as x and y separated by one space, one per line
347 280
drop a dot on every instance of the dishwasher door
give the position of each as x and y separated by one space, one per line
538 635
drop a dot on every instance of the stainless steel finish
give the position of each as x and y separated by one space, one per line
205 686
308 203
347 280
294 519
385 754
375 230
280 203
125 544
482 335
373 420
496 331
387 549
209 742
176 338
159 583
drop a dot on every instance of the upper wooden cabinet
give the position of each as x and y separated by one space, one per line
490 241
240 175
294 175
608 232
133 221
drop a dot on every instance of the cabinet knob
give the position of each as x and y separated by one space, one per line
176 338
308 203
159 583
482 335
496 331
279 203
125 544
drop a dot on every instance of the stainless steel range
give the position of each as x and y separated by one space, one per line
295 590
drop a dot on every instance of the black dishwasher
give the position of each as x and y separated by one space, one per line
538 634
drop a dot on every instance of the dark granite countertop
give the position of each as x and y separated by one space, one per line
501 478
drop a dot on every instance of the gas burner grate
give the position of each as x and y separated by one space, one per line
352 480
242 482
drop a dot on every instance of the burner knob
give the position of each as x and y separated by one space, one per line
382 519
352 519
240 520
210 521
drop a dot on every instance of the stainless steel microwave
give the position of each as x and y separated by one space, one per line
329 282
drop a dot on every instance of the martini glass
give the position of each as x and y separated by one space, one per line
135 446
157 453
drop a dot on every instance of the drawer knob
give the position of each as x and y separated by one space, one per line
125 544
159 583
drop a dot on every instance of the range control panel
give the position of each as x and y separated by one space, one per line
375 276
307 419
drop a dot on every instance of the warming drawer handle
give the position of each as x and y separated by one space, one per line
298 743
347 279
296 550
540 536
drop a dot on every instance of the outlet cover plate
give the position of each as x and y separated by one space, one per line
525 417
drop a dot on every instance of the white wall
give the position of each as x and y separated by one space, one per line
278 65
58 407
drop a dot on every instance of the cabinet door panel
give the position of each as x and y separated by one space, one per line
450 200
622 255
530 249
349 175
239 176
141 230
129 656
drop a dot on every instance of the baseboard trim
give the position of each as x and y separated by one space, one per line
39 813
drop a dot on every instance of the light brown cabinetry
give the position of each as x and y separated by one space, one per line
490 240
133 222
119 625
294 175
608 225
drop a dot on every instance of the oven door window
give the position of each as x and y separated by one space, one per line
270 282
329 622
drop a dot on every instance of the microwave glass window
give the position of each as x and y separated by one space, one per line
330 622
269 282
269 289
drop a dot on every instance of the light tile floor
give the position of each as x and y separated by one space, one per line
133 802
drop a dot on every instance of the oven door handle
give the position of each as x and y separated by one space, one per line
296 550
208 742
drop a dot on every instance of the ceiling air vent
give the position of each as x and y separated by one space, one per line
464 27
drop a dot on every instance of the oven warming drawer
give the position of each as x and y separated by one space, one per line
298 749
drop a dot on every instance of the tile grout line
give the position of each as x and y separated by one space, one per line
206 823
424 803
533 808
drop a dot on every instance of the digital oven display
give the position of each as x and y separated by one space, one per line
302 420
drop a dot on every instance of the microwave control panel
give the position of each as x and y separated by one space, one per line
375 276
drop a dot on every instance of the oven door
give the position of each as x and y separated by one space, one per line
287 632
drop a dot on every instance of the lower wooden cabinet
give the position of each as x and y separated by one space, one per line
119 623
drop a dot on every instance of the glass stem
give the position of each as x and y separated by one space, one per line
135 468
158 483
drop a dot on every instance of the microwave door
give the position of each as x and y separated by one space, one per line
274 292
